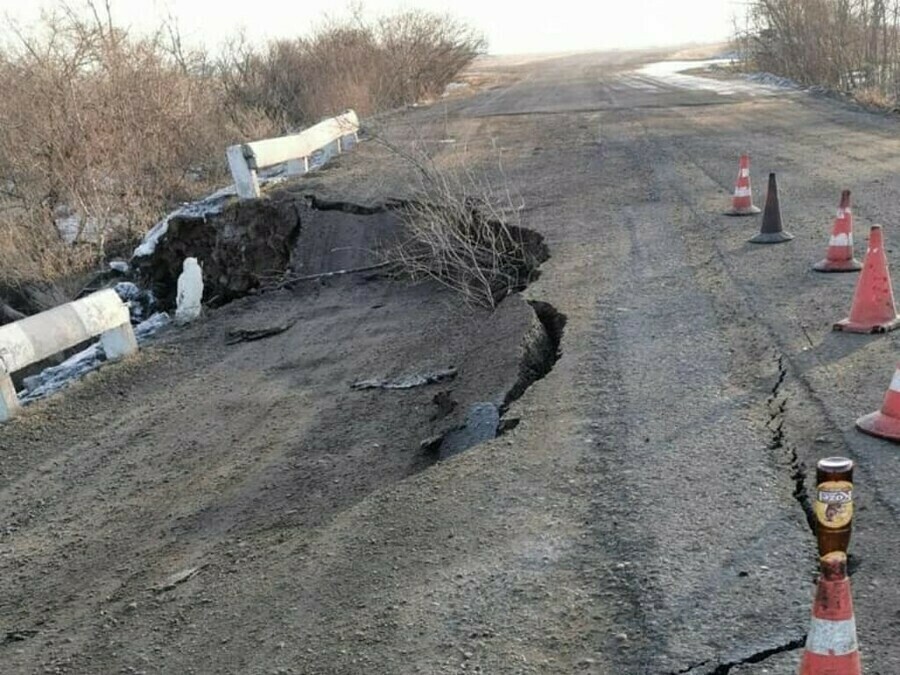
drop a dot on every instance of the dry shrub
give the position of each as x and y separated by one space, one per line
462 229
349 63
872 97
424 53
841 44
37 269
103 131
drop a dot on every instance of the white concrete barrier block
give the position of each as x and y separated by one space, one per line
37 337
246 182
9 402
16 349
189 300
119 342
295 150
99 311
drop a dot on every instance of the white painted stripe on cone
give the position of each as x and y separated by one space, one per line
745 173
741 192
843 213
841 240
895 381
832 638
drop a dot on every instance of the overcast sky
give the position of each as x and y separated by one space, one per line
511 27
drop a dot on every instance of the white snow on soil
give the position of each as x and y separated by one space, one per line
672 73
209 206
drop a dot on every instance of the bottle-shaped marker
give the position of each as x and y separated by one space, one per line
834 504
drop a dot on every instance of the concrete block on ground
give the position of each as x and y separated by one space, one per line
119 342
9 402
38 337
247 159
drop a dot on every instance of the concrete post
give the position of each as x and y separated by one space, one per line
119 342
246 183
296 167
9 402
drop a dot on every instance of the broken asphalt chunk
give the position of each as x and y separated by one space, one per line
407 382
251 334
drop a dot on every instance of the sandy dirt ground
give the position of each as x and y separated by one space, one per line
239 509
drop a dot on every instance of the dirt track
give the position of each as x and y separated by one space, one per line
646 515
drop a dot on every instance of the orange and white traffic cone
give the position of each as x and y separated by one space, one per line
742 201
873 309
885 423
839 256
831 647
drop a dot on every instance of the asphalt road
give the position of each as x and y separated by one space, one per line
647 515
700 377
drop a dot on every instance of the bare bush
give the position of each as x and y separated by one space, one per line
846 45
424 52
349 63
99 133
462 229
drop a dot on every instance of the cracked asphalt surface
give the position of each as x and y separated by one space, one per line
645 517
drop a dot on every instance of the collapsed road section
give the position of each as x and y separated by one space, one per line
248 419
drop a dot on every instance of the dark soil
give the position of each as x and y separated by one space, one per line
239 249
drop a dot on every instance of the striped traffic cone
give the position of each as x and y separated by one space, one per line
839 256
831 647
873 309
885 423
742 201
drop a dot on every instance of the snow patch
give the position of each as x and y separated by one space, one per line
454 87
147 329
54 378
772 80
141 303
208 206
673 73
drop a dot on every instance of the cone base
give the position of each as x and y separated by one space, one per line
849 326
852 265
844 664
749 211
771 238
880 425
